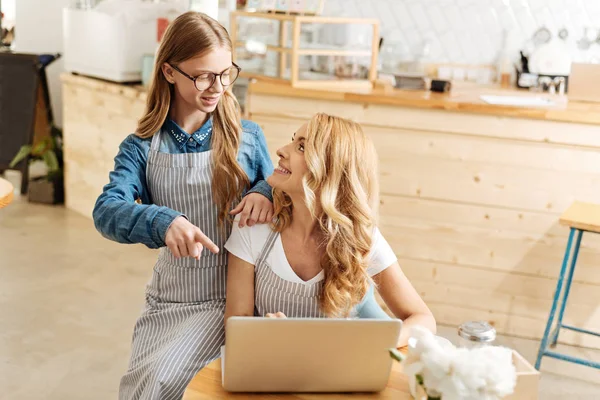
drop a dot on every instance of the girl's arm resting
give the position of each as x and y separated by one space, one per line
240 288
263 165
403 301
116 214
263 188
257 204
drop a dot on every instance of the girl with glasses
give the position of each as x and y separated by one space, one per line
177 182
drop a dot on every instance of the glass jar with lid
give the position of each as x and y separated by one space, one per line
476 334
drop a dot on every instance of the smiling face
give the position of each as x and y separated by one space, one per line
201 67
292 167
335 178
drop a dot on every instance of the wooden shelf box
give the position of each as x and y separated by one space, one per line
347 72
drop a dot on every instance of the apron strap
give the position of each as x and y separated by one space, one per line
268 246
155 144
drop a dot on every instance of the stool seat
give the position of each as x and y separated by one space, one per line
582 216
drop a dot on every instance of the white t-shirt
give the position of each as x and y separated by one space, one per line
247 243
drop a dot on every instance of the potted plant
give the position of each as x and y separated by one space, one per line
48 188
439 371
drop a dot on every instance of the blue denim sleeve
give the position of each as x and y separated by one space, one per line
263 165
369 308
116 214
263 188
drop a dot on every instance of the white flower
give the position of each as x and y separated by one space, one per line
437 362
500 373
424 340
485 373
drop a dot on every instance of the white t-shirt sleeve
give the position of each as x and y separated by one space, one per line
239 243
381 256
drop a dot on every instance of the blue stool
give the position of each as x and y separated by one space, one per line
580 217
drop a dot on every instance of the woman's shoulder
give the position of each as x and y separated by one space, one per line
256 231
381 255
247 242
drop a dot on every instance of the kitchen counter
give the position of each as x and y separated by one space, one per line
464 97
97 116
129 91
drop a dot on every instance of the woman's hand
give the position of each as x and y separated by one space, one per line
278 314
255 208
184 239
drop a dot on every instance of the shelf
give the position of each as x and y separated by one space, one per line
333 52
275 16
337 20
313 52
306 18
269 47
287 55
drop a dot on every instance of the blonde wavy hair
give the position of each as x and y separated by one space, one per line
342 193
190 35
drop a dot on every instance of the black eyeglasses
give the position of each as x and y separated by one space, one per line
205 80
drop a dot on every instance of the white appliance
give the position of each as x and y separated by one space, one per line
110 41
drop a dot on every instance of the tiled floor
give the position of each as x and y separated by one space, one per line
69 299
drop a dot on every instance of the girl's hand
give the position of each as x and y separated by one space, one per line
255 208
184 239
279 314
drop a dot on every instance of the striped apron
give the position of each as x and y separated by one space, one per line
273 294
181 328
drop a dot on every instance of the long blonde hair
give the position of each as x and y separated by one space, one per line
189 35
342 193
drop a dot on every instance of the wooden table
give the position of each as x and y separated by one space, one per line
207 385
6 192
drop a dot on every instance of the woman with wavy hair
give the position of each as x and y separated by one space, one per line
323 250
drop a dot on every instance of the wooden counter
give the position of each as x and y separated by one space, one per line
471 193
97 116
463 98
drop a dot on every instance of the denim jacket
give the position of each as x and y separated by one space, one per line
116 214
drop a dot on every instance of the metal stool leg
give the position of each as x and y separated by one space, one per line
557 293
567 289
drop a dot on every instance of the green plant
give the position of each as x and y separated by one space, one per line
49 150
396 355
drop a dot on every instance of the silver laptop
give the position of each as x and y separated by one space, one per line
308 355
